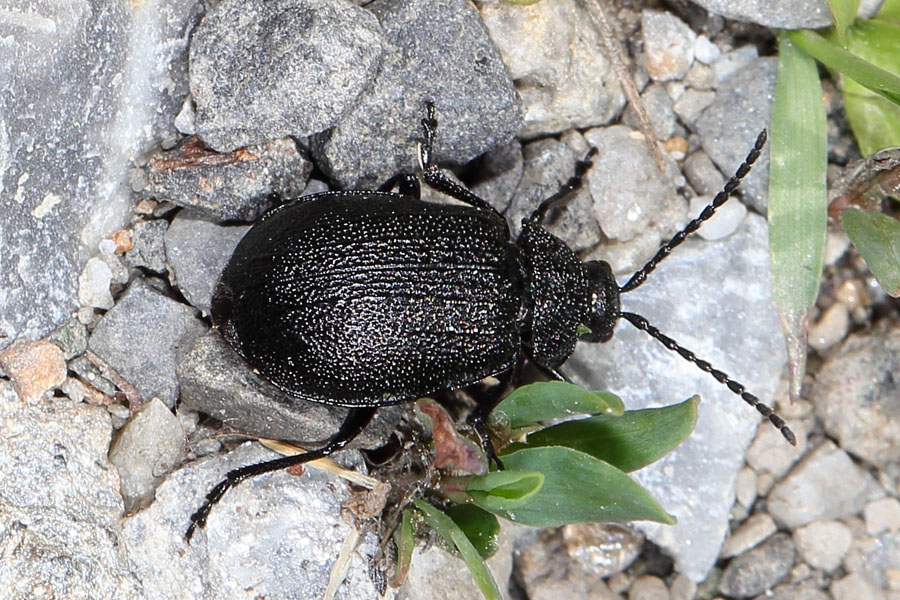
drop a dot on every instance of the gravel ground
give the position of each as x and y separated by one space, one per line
139 141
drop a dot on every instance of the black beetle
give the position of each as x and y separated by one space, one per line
371 298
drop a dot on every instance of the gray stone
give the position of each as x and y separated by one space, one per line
668 45
198 252
602 549
769 453
648 587
729 127
725 222
659 109
500 173
93 284
855 394
435 50
628 190
270 69
274 535
215 380
876 559
882 515
148 248
753 531
809 492
692 104
59 503
237 186
143 337
72 337
856 586
823 544
702 174
89 85
436 575
146 448
780 14
759 569
548 165
720 284
550 565
731 62
561 71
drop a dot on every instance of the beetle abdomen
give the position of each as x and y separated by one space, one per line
371 298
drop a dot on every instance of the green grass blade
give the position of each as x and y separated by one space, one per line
836 58
450 531
797 198
842 14
874 119
877 237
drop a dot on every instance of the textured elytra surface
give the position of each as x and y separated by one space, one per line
371 299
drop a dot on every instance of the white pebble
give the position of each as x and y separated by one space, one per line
823 544
727 219
882 515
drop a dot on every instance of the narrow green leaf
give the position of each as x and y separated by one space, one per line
629 442
842 14
555 400
505 490
450 531
405 540
834 57
875 120
890 11
480 526
797 198
877 237
579 488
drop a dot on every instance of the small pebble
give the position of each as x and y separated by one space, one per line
882 515
648 587
668 45
705 51
93 284
850 294
619 583
682 588
856 586
823 544
147 447
769 453
34 367
745 487
753 531
725 222
759 569
810 492
836 244
831 327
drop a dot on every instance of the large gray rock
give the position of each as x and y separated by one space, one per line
265 69
87 85
59 503
713 298
435 50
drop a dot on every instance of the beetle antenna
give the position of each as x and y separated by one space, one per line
642 323
641 276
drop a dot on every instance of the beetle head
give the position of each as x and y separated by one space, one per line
604 303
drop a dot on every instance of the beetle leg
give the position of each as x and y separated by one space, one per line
479 417
433 175
572 185
353 424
